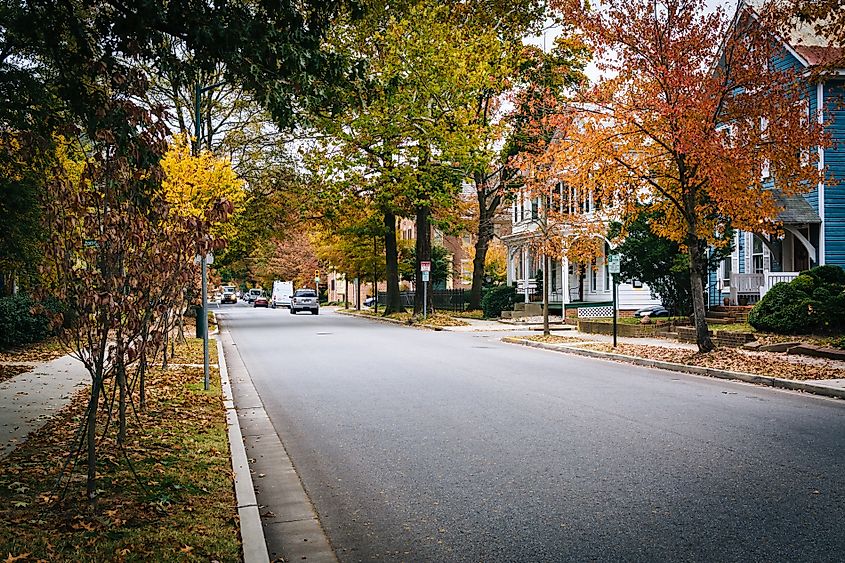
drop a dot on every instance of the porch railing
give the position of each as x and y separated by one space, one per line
776 277
755 286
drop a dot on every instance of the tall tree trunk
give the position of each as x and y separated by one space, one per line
546 277
423 248
487 207
698 268
121 404
91 438
346 291
393 302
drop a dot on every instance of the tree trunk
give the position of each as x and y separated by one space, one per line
346 291
121 408
393 302
486 212
423 248
91 439
698 268
546 331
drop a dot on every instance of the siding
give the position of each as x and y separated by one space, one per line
834 159
631 297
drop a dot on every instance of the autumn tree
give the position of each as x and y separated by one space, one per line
690 111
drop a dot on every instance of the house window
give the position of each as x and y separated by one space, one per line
757 255
726 271
535 209
606 275
594 276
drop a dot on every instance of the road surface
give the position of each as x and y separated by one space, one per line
432 446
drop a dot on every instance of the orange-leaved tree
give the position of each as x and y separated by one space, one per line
691 110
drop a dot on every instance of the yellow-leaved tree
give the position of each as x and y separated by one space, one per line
194 184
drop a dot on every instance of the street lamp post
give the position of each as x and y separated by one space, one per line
198 92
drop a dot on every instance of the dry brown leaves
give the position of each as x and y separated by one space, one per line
771 364
8 371
43 351
553 338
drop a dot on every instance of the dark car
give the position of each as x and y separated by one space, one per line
261 301
653 311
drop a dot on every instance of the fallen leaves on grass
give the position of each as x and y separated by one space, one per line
553 338
8 371
43 351
729 359
178 447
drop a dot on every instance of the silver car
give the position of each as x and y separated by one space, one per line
305 300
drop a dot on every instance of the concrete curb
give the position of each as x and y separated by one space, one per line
252 532
391 321
777 382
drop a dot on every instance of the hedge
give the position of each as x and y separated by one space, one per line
498 299
814 302
19 324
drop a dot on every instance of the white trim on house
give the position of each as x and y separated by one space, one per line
820 111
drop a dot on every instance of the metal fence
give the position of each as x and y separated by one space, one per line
441 299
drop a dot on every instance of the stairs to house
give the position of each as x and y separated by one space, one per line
726 315
522 310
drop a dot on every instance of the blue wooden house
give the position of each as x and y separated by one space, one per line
813 223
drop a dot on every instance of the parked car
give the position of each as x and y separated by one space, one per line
653 311
305 300
253 293
369 301
229 295
261 301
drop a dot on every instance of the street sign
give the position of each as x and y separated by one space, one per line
425 266
317 279
91 243
209 258
425 275
613 264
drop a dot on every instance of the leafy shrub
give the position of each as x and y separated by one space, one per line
19 324
498 299
833 275
814 302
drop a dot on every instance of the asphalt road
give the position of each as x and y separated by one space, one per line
433 446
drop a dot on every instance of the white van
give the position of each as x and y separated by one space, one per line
282 292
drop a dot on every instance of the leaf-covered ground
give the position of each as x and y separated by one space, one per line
436 319
181 507
43 351
8 371
771 364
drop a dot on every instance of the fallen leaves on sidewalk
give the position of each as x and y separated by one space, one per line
729 359
554 338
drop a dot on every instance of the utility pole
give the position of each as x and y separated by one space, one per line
198 91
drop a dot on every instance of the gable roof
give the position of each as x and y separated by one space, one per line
794 209
802 39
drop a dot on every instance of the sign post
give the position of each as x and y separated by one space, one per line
425 269
205 260
613 266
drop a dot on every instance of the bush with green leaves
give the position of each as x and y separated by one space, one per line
20 322
498 299
814 302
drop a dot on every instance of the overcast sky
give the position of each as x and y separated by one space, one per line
546 40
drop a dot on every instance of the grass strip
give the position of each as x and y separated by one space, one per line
185 509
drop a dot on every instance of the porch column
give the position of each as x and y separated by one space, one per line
564 281
508 266
525 273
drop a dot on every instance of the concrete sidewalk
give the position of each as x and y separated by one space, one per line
28 400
